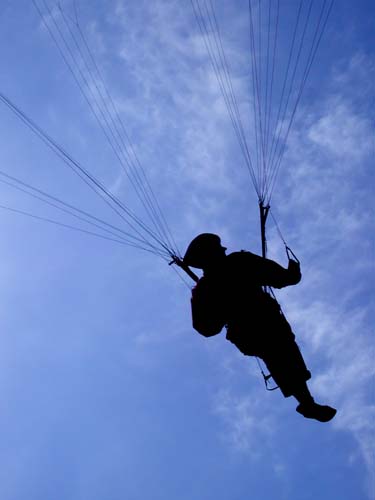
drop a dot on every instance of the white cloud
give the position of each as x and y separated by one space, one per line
343 133
326 184
156 62
325 160
249 427
342 340
173 99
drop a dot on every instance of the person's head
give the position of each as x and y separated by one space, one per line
205 250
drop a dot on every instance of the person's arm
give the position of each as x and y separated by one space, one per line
272 274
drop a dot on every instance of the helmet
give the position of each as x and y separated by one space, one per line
201 250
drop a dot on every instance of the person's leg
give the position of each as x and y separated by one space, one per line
308 407
288 369
302 394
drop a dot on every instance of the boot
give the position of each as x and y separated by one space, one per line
316 411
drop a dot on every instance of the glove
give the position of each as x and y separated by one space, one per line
294 269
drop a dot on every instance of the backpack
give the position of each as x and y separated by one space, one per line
207 307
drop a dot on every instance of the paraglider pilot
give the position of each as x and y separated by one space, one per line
231 293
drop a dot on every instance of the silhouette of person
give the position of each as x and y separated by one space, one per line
254 321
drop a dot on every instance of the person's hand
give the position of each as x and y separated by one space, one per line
294 269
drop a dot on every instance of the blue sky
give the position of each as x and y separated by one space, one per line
106 390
